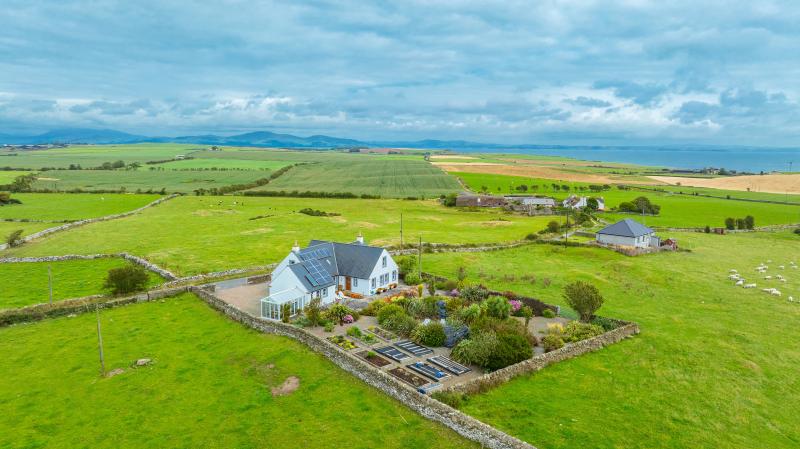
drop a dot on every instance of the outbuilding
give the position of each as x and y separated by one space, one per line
628 232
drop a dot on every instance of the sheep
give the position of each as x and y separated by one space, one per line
767 277
778 276
739 282
775 292
791 299
749 285
781 267
733 277
732 271
782 280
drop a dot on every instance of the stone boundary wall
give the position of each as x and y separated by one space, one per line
218 274
448 248
429 408
80 305
75 224
569 351
166 274
768 228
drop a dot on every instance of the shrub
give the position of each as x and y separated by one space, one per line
553 226
402 324
548 313
577 331
354 332
551 342
532 236
797 231
406 265
373 308
640 205
475 350
452 398
707 229
338 312
497 307
511 349
14 238
470 314
606 323
749 222
730 223
525 312
431 334
286 312
412 278
329 326
474 294
388 311
447 285
584 298
313 313
127 279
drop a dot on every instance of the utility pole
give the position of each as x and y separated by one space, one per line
419 262
50 282
401 231
566 230
100 342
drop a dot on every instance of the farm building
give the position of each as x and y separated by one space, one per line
466 200
323 269
533 201
628 232
576 202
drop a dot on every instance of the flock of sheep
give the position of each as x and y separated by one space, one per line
762 270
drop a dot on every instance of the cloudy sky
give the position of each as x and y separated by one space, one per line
588 72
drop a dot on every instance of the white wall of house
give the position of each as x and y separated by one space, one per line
384 273
639 242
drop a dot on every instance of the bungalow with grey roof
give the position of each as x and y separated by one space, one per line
628 232
324 268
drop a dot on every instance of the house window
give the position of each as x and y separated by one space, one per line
394 275
384 261
325 291
373 282
355 282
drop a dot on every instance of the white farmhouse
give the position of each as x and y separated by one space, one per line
628 233
576 202
323 269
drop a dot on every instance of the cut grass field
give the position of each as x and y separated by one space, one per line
7 177
219 163
208 386
200 234
682 211
714 366
25 284
63 206
389 178
172 181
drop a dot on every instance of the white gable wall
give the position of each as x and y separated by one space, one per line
383 276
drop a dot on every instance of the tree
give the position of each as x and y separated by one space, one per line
749 222
730 223
740 223
707 229
553 226
592 204
127 279
461 275
584 298
498 307
313 312
15 238
286 312
450 200
640 205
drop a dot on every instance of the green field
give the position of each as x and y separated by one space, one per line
25 284
676 210
200 234
7 177
209 386
90 156
63 206
714 366
172 181
219 163
7 227
385 177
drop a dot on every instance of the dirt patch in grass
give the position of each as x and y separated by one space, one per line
288 386
258 231
451 156
782 183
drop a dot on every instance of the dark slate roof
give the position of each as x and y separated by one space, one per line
626 228
303 272
352 259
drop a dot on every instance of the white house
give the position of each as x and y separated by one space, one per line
324 268
628 233
575 202
534 201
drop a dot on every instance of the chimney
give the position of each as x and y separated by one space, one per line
360 238
296 247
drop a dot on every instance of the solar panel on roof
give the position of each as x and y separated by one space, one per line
319 275
316 253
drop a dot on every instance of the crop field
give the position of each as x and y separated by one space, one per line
387 178
220 163
293 156
172 181
200 234
210 379
25 284
7 177
676 210
714 366
89 156
64 206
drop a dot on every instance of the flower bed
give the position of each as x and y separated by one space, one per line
374 359
408 377
364 337
342 342
382 333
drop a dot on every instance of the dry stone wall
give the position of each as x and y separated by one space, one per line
432 409
166 274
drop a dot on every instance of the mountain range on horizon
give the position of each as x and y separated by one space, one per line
281 140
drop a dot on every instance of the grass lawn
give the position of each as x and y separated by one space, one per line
219 163
7 177
25 284
714 366
89 156
7 227
209 386
676 210
72 206
391 178
200 234
172 181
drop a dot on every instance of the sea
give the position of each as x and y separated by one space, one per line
753 160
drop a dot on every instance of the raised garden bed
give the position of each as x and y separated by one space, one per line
428 370
408 377
374 359
364 337
382 333
393 353
342 342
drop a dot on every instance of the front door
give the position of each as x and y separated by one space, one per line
347 285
